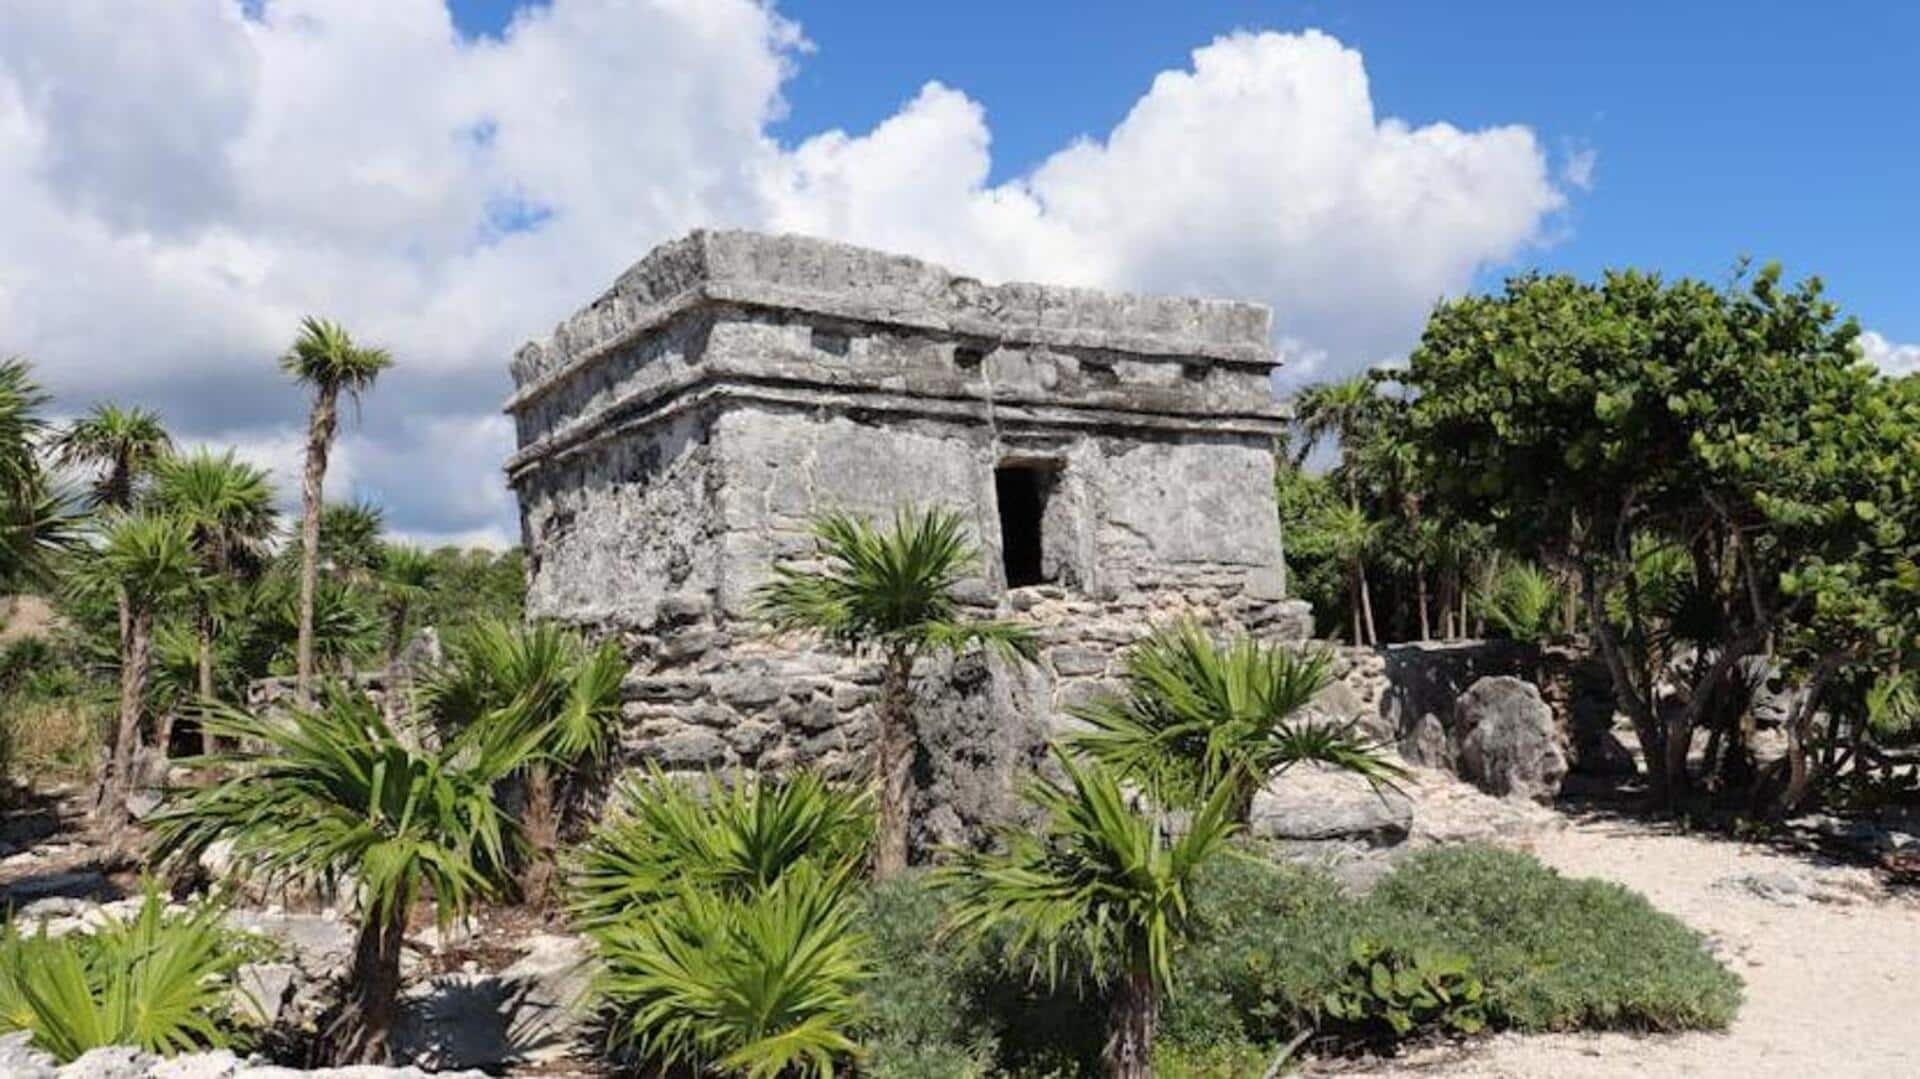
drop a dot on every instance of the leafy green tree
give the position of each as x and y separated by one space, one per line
1103 891
1579 419
228 506
334 795
1351 536
561 695
1196 716
143 560
890 592
325 358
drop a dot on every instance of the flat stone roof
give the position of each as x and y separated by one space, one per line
821 277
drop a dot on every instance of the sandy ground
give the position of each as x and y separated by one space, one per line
1833 974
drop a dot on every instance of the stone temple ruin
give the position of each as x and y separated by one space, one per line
1113 452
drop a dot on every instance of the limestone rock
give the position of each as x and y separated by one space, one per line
532 1012
1317 803
1508 742
110 1062
20 1060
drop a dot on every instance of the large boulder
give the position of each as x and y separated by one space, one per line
1508 742
1314 803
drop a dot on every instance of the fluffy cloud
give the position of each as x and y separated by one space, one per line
185 180
1889 357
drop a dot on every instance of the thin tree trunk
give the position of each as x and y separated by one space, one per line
541 822
1133 1017
117 785
360 1030
1353 604
396 630
894 748
1366 604
206 667
319 440
1420 599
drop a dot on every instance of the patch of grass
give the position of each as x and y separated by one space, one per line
59 735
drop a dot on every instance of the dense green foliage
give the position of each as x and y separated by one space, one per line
725 919
160 980
1390 992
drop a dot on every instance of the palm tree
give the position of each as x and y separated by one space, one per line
325 358
120 445
1196 716
405 576
1333 410
1103 888
564 696
1352 536
143 560
228 505
35 519
890 592
333 795
350 546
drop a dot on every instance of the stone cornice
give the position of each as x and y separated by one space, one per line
838 281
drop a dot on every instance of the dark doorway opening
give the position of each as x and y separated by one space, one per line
1022 491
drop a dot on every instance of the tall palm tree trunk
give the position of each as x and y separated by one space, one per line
116 784
1353 604
1133 1017
541 823
894 758
360 1031
319 439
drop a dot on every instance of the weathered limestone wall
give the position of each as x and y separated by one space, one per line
677 436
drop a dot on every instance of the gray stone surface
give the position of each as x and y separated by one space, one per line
535 1011
1508 742
1313 803
678 435
20 1060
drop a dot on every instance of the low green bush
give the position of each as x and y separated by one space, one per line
1550 953
1390 993
1562 954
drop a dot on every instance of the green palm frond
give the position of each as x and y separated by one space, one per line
541 678
119 445
1103 890
1519 601
735 838
147 556
1195 716
878 587
228 504
761 984
333 793
325 355
161 980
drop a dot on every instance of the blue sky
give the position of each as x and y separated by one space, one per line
1786 131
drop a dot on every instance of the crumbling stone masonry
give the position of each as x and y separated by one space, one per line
1113 452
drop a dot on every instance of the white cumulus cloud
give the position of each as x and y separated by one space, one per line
1894 359
184 180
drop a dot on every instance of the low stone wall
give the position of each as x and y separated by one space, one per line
1409 692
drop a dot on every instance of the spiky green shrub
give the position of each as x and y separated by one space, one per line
160 980
1197 715
725 916
1519 601
1102 892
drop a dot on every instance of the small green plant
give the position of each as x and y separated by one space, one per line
727 923
1406 991
1519 601
160 980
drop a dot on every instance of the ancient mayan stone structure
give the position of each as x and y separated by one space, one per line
1113 452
